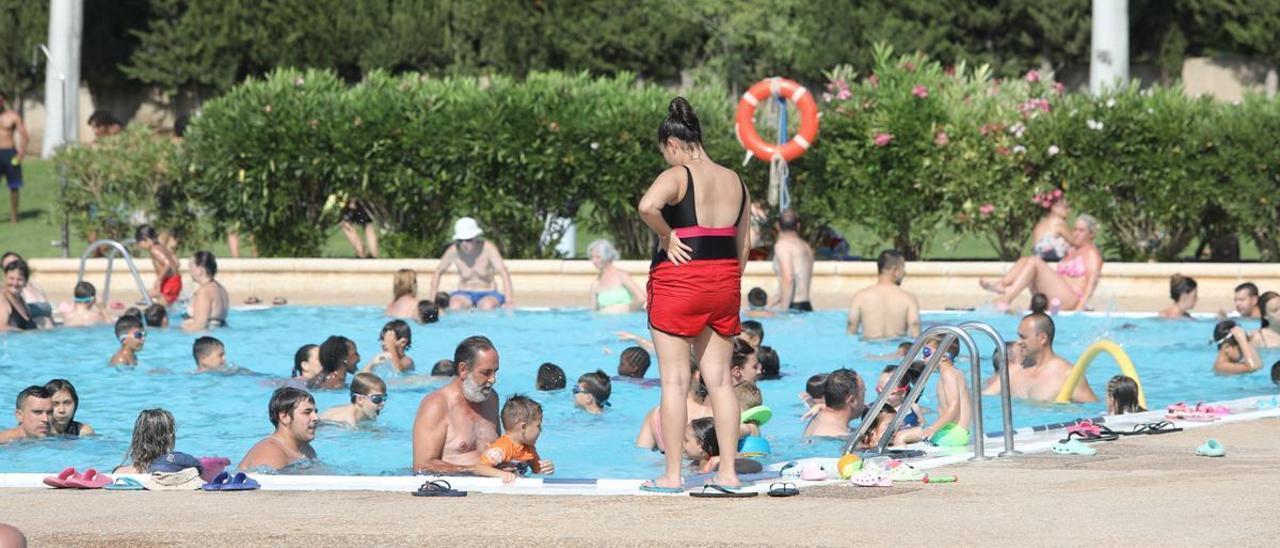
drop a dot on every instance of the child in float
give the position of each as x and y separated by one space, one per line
749 399
954 408
514 452
1122 396
132 337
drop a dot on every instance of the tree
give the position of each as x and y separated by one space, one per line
25 25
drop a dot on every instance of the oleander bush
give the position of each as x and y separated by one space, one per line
912 146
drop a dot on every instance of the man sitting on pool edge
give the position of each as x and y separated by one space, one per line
458 421
1042 372
478 261
293 414
33 411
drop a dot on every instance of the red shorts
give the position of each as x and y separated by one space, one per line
685 299
170 288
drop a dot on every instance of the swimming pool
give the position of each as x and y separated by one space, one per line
225 415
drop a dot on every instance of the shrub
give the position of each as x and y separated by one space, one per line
125 180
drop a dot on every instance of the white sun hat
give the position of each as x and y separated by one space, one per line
466 228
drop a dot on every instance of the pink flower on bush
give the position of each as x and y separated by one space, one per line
844 94
986 210
874 80
1033 76
883 139
950 70
1032 105
911 67
1003 151
941 139
920 91
1059 88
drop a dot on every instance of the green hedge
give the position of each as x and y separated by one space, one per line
904 150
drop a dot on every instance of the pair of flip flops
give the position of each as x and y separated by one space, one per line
70 479
227 482
438 488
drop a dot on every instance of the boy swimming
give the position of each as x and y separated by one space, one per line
132 337
514 452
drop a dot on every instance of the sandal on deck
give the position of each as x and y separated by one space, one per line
438 488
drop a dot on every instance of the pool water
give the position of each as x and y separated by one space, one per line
226 414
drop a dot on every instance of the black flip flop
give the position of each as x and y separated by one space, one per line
721 492
1153 428
438 488
783 490
1111 436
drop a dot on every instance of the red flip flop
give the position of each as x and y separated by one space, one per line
60 481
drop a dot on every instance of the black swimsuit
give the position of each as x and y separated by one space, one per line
16 320
706 243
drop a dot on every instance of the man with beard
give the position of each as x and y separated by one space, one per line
885 310
1042 372
455 423
293 413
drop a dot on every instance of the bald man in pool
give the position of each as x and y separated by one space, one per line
1042 372
455 423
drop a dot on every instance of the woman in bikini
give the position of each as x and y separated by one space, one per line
698 209
613 291
13 308
1073 281
209 304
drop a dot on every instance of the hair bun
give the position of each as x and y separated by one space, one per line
681 111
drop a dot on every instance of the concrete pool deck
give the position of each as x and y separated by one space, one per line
1135 287
1139 491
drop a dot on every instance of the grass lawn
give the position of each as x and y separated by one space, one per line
38 229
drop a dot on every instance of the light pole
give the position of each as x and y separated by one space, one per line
1109 46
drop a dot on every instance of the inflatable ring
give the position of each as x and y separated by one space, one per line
744 121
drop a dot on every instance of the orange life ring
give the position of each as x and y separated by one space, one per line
744 122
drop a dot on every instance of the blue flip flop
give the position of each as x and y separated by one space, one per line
652 486
218 482
124 484
240 482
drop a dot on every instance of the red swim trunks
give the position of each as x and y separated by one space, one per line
685 299
170 288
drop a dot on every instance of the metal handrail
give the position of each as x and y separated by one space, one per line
950 333
1006 403
116 247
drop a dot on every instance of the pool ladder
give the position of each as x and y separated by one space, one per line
949 333
114 248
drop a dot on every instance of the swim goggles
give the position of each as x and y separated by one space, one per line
376 399
928 352
136 333
84 299
600 402
898 390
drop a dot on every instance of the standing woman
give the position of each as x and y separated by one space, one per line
209 303
65 404
699 211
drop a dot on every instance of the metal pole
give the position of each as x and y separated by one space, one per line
1006 403
1109 44
62 183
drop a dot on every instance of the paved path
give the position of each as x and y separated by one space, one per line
1145 491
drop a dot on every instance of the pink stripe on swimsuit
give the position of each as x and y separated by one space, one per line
700 231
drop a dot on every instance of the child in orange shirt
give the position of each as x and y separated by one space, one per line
514 452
